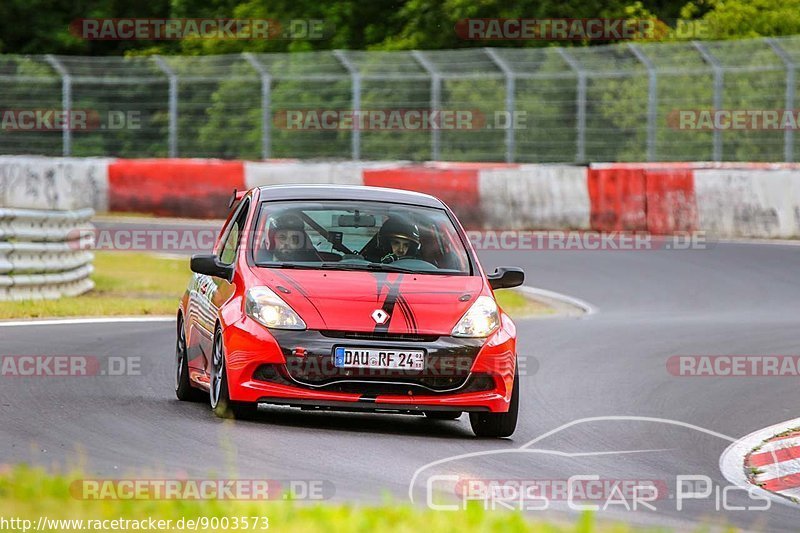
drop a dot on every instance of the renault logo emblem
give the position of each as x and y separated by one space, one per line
380 316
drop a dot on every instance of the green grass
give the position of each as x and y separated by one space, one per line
29 493
517 305
126 283
133 283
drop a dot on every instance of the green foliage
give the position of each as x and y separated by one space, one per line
365 24
30 493
220 97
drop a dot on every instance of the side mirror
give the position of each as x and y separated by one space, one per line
209 265
506 277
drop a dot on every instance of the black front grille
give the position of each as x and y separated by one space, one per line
379 336
309 362
404 387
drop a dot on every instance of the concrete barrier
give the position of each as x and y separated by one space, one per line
726 199
294 172
62 183
534 196
45 206
749 202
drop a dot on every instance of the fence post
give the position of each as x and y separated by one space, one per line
355 76
266 103
173 104
791 67
719 72
511 82
66 103
436 99
580 102
652 99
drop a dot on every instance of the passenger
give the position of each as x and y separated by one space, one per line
398 238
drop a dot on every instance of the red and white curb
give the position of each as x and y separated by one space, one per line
767 462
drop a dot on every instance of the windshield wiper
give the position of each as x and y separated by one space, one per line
283 265
378 267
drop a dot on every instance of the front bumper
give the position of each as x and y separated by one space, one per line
296 368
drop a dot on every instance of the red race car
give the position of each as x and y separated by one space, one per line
348 298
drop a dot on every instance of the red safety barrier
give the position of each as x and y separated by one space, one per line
456 186
658 198
671 204
197 188
618 199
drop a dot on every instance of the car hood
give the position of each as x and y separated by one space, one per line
347 300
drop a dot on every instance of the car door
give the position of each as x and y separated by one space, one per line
208 293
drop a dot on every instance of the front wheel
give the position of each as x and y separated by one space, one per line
219 395
498 424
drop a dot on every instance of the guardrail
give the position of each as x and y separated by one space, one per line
43 254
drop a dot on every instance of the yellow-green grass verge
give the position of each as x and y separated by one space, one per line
518 305
30 493
133 283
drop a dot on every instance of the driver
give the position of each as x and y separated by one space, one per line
398 238
288 241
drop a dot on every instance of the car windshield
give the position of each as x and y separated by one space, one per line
358 235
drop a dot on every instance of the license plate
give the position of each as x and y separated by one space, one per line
344 357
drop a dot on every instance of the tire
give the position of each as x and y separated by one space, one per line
443 415
498 424
183 386
218 393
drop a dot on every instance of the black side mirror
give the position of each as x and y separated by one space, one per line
506 277
209 265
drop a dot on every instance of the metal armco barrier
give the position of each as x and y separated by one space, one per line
43 254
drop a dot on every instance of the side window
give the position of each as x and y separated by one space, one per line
228 253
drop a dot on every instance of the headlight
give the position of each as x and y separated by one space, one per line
480 321
269 309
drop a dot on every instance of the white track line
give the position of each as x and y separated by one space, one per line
731 462
75 321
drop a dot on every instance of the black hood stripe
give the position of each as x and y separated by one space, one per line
391 298
408 314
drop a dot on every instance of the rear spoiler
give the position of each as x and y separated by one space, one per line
235 197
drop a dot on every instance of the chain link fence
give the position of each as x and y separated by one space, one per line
624 102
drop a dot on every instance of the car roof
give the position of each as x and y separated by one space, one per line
347 192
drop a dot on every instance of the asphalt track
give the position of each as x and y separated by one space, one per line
731 299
